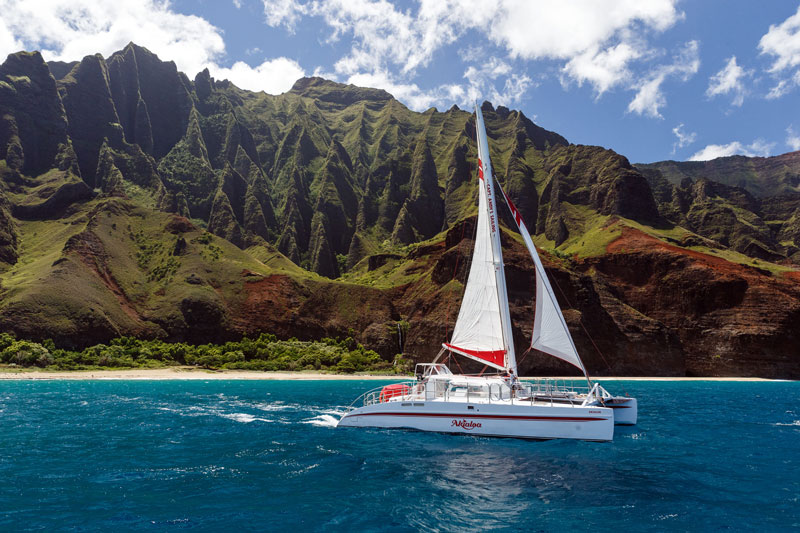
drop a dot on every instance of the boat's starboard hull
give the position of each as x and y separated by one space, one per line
495 420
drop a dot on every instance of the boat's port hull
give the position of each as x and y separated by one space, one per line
626 410
495 420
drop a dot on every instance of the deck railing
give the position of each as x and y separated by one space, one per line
547 391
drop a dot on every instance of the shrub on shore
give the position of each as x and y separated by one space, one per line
265 353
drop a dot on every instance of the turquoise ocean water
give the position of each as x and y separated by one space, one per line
264 455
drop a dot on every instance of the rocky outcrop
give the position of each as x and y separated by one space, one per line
91 114
34 125
153 100
761 176
732 217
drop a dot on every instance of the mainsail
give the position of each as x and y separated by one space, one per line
483 327
550 332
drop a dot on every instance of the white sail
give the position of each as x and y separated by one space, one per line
483 327
550 332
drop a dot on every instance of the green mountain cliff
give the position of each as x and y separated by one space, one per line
136 201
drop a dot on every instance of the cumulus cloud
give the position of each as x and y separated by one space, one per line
69 31
650 98
759 147
729 80
783 42
604 69
284 13
274 76
684 138
8 43
792 139
481 83
594 42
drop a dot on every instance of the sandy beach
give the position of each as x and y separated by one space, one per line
203 374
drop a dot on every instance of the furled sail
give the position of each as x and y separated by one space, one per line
550 332
483 327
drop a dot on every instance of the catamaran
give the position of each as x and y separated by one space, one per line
499 405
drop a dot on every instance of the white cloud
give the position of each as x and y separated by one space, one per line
275 76
792 139
237 4
8 43
603 68
650 99
563 30
783 42
684 138
481 83
69 31
759 147
284 13
595 42
729 80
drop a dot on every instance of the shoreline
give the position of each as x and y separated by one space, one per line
192 373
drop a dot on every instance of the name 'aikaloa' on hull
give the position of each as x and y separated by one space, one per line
496 405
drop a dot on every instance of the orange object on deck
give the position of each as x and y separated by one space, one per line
396 389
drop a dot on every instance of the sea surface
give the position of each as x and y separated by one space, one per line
266 456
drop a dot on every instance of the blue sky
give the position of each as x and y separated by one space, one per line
653 80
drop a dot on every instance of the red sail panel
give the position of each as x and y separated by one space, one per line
493 357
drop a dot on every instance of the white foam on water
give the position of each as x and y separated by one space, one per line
326 421
277 406
303 470
795 423
243 417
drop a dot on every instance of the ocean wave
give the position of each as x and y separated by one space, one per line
243 417
795 423
274 406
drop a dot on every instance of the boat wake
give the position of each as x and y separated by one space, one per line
796 423
325 421
243 417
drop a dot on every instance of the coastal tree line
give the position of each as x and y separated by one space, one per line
266 353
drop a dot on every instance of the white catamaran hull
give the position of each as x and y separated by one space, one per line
495 420
625 410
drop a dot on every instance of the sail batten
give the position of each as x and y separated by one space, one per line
550 332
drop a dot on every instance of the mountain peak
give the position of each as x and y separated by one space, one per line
337 93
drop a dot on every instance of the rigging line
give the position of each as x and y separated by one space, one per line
524 356
459 365
583 327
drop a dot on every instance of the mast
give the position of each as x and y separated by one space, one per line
494 228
